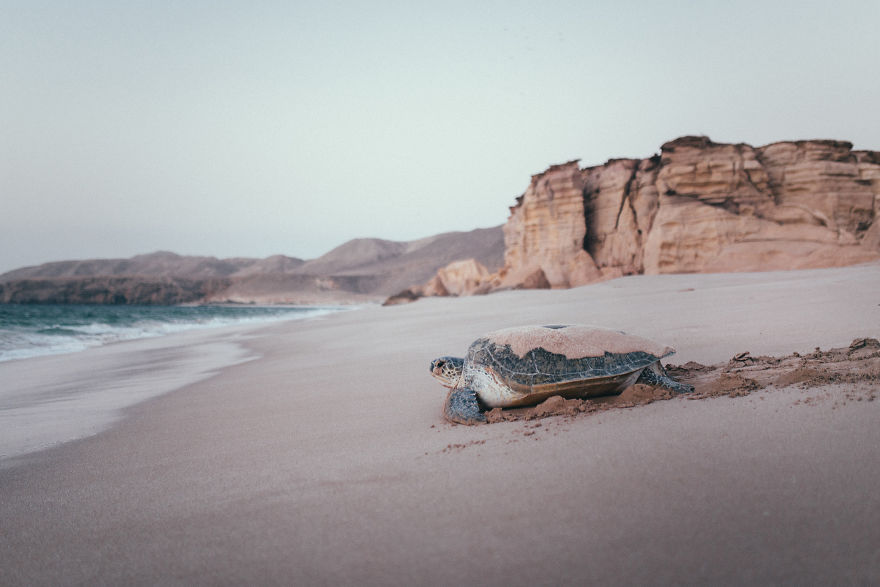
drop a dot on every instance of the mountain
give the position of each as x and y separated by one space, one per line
158 264
359 270
355 255
369 269
403 264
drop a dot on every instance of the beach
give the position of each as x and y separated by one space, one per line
315 452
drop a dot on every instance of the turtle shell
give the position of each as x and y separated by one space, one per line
570 360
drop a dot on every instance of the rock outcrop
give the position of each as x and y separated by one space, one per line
458 278
698 206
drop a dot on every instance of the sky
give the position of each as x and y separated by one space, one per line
258 128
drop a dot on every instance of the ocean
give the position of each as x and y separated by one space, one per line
35 330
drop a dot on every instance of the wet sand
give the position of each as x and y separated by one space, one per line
326 460
46 401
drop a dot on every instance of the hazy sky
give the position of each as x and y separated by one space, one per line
256 128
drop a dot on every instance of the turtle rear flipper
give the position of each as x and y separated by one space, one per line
655 375
462 407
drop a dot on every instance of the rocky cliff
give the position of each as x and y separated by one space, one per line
698 206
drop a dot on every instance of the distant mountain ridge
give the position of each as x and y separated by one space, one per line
358 270
158 264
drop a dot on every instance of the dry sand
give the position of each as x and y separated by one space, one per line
326 461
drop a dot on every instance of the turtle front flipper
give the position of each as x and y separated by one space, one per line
462 407
655 375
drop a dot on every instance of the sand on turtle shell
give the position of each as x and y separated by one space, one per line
856 367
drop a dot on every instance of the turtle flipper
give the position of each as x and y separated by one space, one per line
655 375
462 407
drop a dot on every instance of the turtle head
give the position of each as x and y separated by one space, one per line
447 370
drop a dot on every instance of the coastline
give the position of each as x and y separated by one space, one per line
326 459
53 399
34 330
50 399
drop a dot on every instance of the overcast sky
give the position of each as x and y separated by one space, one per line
256 128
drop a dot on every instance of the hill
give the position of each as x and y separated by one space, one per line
358 270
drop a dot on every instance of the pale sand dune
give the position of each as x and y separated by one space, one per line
326 460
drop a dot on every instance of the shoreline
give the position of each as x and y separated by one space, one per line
326 459
123 323
56 398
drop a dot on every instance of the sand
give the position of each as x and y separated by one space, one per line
53 399
326 459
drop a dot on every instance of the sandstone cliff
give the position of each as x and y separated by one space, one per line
698 206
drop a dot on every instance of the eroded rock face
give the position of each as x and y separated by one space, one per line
462 277
546 230
699 206
784 206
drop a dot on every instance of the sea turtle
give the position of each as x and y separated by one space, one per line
525 365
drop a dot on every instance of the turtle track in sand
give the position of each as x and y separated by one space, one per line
850 373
